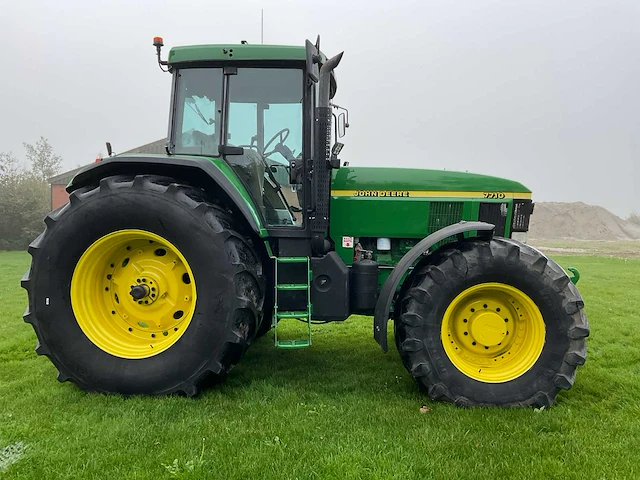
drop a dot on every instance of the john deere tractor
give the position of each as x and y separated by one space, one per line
162 269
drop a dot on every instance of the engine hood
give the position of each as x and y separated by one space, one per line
350 180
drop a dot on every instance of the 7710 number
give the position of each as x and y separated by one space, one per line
498 195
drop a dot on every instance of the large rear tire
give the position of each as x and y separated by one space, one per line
491 323
143 286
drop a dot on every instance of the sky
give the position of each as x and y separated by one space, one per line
546 92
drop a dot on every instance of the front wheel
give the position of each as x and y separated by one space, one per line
141 285
491 323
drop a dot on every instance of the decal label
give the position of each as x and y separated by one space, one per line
381 193
429 194
347 242
498 195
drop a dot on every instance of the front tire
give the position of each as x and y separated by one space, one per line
491 323
142 286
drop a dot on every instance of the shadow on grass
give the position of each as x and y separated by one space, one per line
334 367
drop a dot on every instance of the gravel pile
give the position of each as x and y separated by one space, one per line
557 220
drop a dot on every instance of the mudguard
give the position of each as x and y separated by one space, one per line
383 305
216 177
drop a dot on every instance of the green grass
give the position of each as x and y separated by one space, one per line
341 409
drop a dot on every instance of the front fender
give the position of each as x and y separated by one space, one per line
383 305
212 175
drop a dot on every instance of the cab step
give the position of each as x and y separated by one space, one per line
301 314
292 259
292 286
304 315
291 344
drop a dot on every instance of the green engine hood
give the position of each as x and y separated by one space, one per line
350 179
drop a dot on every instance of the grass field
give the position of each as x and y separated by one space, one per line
341 409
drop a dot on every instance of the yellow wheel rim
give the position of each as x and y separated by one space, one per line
493 332
133 294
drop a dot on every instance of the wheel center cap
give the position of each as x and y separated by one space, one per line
139 291
488 328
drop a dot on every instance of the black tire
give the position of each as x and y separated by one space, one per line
226 267
440 277
266 325
269 300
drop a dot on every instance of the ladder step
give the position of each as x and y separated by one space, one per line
293 314
293 343
292 259
304 315
292 286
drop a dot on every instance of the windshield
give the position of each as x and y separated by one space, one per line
265 118
199 93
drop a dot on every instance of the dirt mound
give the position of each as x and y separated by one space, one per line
555 220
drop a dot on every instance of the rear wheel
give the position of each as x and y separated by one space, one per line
491 323
140 285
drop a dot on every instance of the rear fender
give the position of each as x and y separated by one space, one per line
215 177
383 305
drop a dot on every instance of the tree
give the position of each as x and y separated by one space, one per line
24 202
24 194
9 164
44 163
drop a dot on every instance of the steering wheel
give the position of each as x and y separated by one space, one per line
282 134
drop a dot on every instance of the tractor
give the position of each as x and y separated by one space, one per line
161 270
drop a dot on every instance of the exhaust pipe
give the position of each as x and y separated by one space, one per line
325 79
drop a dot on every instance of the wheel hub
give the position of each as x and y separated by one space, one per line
138 292
133 294
488 329
493 332
145 287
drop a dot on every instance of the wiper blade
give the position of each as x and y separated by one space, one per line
197 111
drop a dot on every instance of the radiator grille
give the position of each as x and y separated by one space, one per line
495 213
443 214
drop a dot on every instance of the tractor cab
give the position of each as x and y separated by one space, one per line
253 107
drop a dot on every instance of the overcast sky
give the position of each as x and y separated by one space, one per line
545 92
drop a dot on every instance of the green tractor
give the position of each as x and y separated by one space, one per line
162 269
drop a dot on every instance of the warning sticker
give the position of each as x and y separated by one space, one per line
347 242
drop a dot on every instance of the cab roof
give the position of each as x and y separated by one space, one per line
221 52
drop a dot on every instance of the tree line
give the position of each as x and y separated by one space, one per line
25 196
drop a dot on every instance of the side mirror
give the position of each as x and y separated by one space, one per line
342 124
